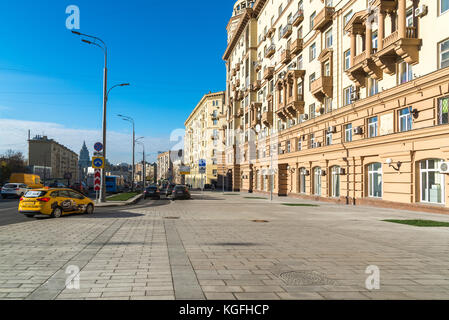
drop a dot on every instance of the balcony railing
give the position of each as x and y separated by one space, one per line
287 31
267 118
390 39
296 46
270 51
298 18
285 56
359 58
322 87
323 18
268 73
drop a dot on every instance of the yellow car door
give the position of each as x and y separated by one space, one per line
66 202
79 200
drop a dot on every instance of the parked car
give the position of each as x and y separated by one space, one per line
169 190
180 192
15 190
55 184
152 192
54 203
80 187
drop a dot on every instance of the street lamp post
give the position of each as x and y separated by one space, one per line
144 163
105 99
131 120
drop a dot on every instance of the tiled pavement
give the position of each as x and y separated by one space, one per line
210 248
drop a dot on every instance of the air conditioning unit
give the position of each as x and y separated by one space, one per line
354 96
341 171
332 129
323 173
358 130
316 145
306 117
421 11
306 172
444 167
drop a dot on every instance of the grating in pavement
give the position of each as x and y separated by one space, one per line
305 278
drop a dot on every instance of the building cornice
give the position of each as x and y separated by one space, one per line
204 98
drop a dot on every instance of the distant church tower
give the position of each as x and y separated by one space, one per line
84 161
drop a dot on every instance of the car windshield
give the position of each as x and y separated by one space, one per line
35 194
10 186
180 187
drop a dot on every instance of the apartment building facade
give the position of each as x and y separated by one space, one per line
202 141
164 167
350 101
48 153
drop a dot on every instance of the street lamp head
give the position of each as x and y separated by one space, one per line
124 84
76 32
86 41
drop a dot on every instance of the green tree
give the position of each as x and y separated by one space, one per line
11 162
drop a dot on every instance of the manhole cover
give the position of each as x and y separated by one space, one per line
260 221
172 218
305 278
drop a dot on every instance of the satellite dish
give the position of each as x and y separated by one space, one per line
258 128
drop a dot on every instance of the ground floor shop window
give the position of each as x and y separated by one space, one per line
302 180
335 182
432 182
375 180
317 181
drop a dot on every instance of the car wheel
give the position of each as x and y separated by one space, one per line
57 213
89 209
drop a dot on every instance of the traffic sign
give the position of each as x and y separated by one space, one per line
202 170
98 162
183 170
97 180
97 173
202 163
97 188
98 147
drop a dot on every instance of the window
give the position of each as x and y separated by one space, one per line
328 138
375 180
432 182
405 119
288 147
327 68
312 140
348 132
299 144
444 53
328 38
302 180
372 127
300 65
443 107
347 62
409 18
312 52
405 72
312 111
347 92
317 181
373 87
348 17
280 10
312 17
444 6
327 105
335 182
311 79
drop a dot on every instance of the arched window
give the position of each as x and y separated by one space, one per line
375 180
317 181
432 181
302 180
335 182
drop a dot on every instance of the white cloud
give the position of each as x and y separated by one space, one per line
14 135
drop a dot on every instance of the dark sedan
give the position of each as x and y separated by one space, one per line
180 192
152 192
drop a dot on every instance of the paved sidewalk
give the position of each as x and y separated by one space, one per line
119 203
212 248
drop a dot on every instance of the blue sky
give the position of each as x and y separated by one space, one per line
51 82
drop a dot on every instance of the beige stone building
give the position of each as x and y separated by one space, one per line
164 167
340 101
45 152
203 140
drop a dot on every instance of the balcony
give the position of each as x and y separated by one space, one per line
286 31
268 73
256 85
395 47
237 83
270 51
239 112
233 72
255 118
282 113
270 32
285 56
322 87
295 105
298 18
323 19
296 46
258 65
267 118
237 67
362 68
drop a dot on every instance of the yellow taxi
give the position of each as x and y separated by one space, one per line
54 202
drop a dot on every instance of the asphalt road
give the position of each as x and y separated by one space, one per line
10 215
